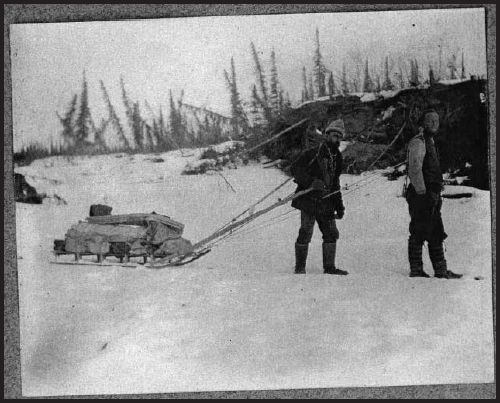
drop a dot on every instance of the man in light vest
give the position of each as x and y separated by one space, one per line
424 201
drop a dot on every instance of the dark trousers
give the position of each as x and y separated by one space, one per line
426 222
426 225
327 227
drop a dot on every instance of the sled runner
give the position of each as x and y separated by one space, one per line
91 263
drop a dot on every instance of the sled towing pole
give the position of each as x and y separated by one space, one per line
177 259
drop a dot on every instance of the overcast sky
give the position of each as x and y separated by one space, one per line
190 54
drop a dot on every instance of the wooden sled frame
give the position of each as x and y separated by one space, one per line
176 260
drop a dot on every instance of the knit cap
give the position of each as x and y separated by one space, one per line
337 126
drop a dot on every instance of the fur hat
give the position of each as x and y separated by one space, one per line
337 126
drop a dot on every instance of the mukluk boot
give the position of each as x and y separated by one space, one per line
436 253
329 251
300 258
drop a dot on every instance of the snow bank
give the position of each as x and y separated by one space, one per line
389 94
452 82
227 146
368 97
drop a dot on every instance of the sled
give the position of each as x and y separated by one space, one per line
123 237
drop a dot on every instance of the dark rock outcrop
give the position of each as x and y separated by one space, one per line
24 192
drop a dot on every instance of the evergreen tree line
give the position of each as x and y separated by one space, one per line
190 126
269 101
184 126
321 81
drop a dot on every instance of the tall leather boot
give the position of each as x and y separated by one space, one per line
436 253
300 258
329 251
415 258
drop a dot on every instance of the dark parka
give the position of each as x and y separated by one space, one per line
325 164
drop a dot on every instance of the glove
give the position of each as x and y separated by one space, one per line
339 209
317 184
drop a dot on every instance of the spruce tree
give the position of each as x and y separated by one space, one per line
67 122
319 69
274 85
163 136
133 117
417 72
281 101
367 83
156 137
175 123
115 121
305 91
126 100
414 74
99 140
331 85
378 85
432 78
462 73
387 85
239 121
137 126
256 109
148 138
345 86
453 67
311 87
401 77
288 102
83 121
262 85
355 84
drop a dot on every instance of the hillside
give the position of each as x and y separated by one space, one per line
376 120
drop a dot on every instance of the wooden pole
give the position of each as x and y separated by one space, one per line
251 217
217 234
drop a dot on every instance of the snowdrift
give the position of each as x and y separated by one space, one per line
238 318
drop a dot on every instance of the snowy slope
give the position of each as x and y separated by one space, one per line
238 319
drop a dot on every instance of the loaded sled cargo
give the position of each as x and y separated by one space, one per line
122 237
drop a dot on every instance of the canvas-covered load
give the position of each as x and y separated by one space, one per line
142 233
95 238
109 233
138 219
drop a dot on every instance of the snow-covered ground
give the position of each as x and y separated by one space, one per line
238 319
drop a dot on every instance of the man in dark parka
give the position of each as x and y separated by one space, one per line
424 201
319 169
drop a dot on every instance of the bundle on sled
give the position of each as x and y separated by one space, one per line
116 239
